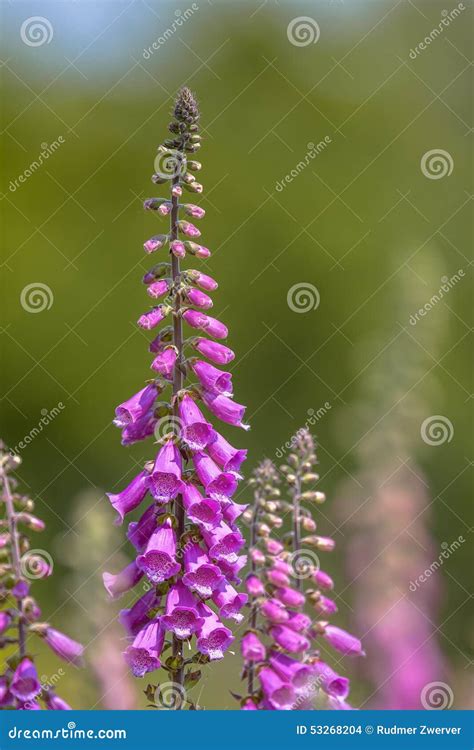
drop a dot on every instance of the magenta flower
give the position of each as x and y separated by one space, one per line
159 560
214 638
165 480
343 641
214 351
144 654
182 616
118 584
225 409
212 379
196 432
136 407
290 670
254 586
201 575
65 647
253 649
274 611
21 569
25 684
332 683
55 703
131 497
279 694
186 540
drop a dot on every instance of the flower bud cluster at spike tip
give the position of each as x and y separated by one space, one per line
188 546
290 595
20 686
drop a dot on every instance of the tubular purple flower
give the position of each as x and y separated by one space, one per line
55 703
291 670
118 584
151 318
198 298
155 243
254 586
165 361
200 575
293 642
25 684
196 432
140 429
5 621
139 532
214 638
144 654
274 611
225 409
229 601
332 683
65 647
131 497
206 513
231 570
134 618
182 616
212 379
343 641
298 621
279 694
223 543
204 281
165 479
159 560
227 457
136 407
290 597
253 649
325 606
178 249
188 229
277 577
231 511
214 351
195 211
212 326
158 289
323 580
218 484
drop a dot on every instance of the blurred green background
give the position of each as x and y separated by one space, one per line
361 223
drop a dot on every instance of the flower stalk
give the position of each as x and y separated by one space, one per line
187 540
20 615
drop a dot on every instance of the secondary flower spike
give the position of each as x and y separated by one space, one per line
186 539
282 647
20 686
